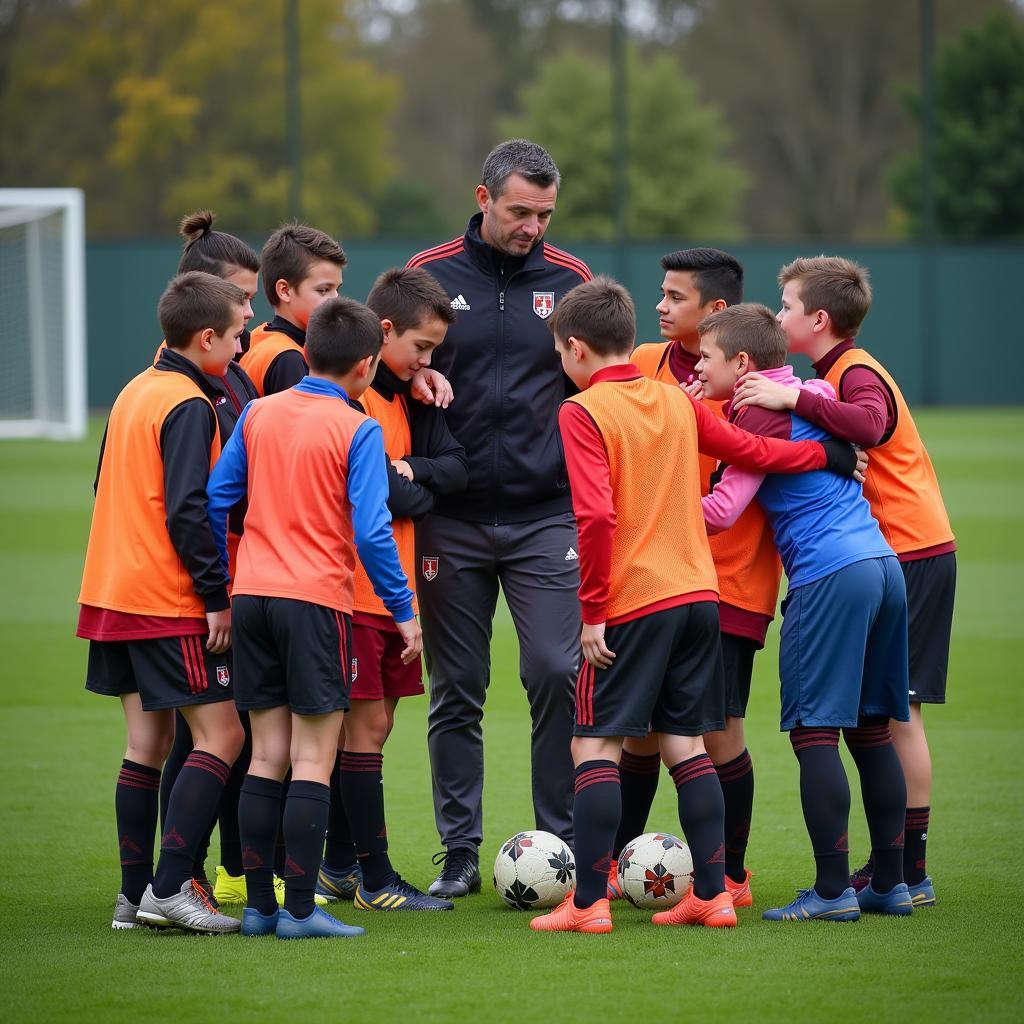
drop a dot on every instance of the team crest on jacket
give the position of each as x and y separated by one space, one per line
543 304
223 675
429 567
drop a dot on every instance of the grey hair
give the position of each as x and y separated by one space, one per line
519 156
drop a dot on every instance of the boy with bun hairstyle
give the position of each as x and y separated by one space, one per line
824 301
698 282
843 649
302 268
159 623
424 461
293 599
229 258
648 595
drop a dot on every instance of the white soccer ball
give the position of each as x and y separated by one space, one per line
655 870
534 871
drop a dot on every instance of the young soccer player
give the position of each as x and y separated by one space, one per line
227 257
302 268
155 603
843 653
699 282
314 471
425 460
824 301
648 593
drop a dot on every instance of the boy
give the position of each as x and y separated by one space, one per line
824 301
424 460
843 652
155 604
699 282
302 268
648 593
313 468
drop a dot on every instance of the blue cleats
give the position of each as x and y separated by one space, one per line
319 925
254 923
809 906
338 885
923 894
896 902
398 895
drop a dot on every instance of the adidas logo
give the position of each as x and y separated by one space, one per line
571 556
460 303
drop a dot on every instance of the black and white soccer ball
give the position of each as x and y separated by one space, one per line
655 870
534 871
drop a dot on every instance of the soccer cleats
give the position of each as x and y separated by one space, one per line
740 891
189 910
124 914
319 925
460 873
567 917
614 889
717 912
255 924
338 885
923 893
229 889
897 902
809 906
398 895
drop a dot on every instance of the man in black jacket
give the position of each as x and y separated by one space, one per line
513 525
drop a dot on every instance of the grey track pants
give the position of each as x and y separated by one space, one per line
459 567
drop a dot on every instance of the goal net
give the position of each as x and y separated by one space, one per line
42 313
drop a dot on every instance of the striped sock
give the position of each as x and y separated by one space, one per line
639 774
737 779
190 813
596 811
702 816
135 806
915 841
825 798
340 846
362 785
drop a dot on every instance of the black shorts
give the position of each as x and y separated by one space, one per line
290 653
666 677
167 672
738 664
931 585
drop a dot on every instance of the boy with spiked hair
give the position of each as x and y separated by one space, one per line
424 461
699 282
843 652
293 599
824 301
648 593
158 622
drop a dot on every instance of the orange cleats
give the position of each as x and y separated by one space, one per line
740 891
567 917
716 913
614 889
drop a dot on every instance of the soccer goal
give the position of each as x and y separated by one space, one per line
42 313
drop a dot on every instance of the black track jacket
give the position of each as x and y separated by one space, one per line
508 380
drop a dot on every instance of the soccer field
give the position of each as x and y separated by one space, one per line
60 749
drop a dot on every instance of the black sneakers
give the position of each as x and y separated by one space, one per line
460 874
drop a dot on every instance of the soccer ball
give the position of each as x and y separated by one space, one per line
655 870
534 870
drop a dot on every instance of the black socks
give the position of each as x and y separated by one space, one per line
135 806
362 787
702 816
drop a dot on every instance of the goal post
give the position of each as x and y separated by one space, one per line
42 313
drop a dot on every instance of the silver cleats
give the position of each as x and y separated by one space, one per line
124 914
189 910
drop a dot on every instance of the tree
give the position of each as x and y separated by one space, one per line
157 108
680 183
979 135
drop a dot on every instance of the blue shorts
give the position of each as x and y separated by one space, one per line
843 652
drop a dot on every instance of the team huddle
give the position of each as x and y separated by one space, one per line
270 506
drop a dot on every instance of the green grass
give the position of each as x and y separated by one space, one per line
60 749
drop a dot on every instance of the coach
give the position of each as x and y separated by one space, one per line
514 525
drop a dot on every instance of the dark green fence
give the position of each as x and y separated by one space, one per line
944 320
